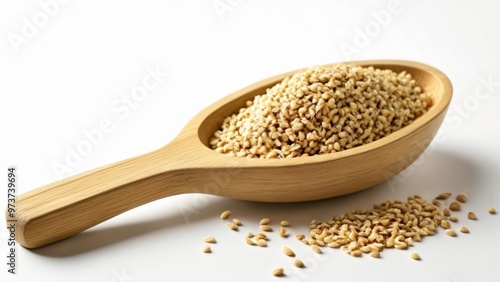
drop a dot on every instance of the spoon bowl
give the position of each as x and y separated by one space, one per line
187 165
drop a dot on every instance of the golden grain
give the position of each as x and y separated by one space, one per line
298 263
232 226
451 232
453 218
461 198
225 214
265 228
464 229
415 256
249 241
278 272
321 110
237 221
287 251
262 243
264 221
455 206
375 254
210 240
492 210
207 249
283 232
284 223
356 253
443 196
471 215
445 224
446 212
316 249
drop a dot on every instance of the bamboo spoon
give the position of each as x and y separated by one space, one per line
187 165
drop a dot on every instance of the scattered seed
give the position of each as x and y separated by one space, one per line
316 249
265 221
472 216
443 196
278 272
266 228
366 249
415 256
461 198
284 223
356 253
375 254
232 226
250 235
209 240
451 232
464 229
436 203
446 212
225 214
250 242
236 221
445 224
453 218
492 210
298 263
287 251
283 232
300 236
455 206
262 243
259 236
207 249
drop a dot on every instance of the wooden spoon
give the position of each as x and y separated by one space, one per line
187 165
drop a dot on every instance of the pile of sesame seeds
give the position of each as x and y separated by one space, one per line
389 225
321 110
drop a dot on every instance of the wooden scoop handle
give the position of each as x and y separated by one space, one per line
70 206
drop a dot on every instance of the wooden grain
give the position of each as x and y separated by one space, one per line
186 165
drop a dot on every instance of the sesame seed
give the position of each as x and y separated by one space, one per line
209 240
298 263
492 210
207 249
225 214
287 251
265 221
451 232
455 206
461 198
278 272
471 215
464 229
415 256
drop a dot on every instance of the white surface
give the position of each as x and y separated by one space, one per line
66 78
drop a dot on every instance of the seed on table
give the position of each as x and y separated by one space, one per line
259 236
250 235
209 240
472 216
436 203
492 210
443 196
356 253
415 256
461 198
207 249
445 224
464 229
261 243
284 223
250 242
283 232
300 236
366 249
451 232
455 206
287 251
298 263
265 221
236 221
375 254
446 212
225 214
278 272
232 226
316 249
453 219
266 228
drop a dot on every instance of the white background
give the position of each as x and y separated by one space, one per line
63 77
